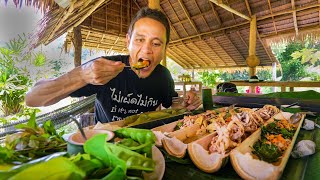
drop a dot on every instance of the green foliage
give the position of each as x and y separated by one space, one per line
40 59
293 69
14 81
209 79
236 75
18 67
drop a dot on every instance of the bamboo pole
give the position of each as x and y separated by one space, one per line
252 60
154 4
228 8
77 43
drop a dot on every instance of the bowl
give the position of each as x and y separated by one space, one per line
75 141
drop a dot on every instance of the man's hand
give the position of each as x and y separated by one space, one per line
101 71
192 101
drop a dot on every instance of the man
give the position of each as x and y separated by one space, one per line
121 91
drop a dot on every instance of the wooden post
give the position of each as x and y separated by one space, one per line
154 4
252 59
77 43
274 75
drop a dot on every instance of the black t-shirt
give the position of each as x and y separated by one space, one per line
127 94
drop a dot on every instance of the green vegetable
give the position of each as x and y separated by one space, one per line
116 173
32 142
132 145
178 126
57 168
6 173
266 152
140 135
96 146
144 137
113 155
272 128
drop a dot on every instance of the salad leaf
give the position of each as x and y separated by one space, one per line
266 152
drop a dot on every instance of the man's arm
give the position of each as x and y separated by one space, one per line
191 101
98 72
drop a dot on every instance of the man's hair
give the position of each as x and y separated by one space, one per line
154 14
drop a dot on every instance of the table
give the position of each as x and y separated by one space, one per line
282 84
198 87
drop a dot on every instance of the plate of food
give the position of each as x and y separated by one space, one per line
265 153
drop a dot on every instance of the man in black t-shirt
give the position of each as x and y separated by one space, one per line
122 91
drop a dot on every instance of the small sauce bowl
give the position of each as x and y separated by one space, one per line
75 141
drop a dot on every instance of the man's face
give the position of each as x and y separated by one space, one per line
147 42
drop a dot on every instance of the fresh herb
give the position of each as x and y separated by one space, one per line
266 152
31 142
178 126
272 128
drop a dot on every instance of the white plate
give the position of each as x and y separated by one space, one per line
159 169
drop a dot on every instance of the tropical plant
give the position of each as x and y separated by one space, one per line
209 79
292 69
14 81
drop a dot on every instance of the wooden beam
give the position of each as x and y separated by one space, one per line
120 16
177 18
274 24
292 31
188 16
204 54
264 47
215 13
77 43
220 67
189 50
243 59
223 50
294 14
177 49
178 57
214 52
248 7
101 40
245 23
154 4
105 43
195 2
228 8
64 17
92 9
243 41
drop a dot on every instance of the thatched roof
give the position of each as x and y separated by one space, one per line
203 35
42 5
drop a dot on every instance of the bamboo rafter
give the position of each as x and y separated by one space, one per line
294 14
